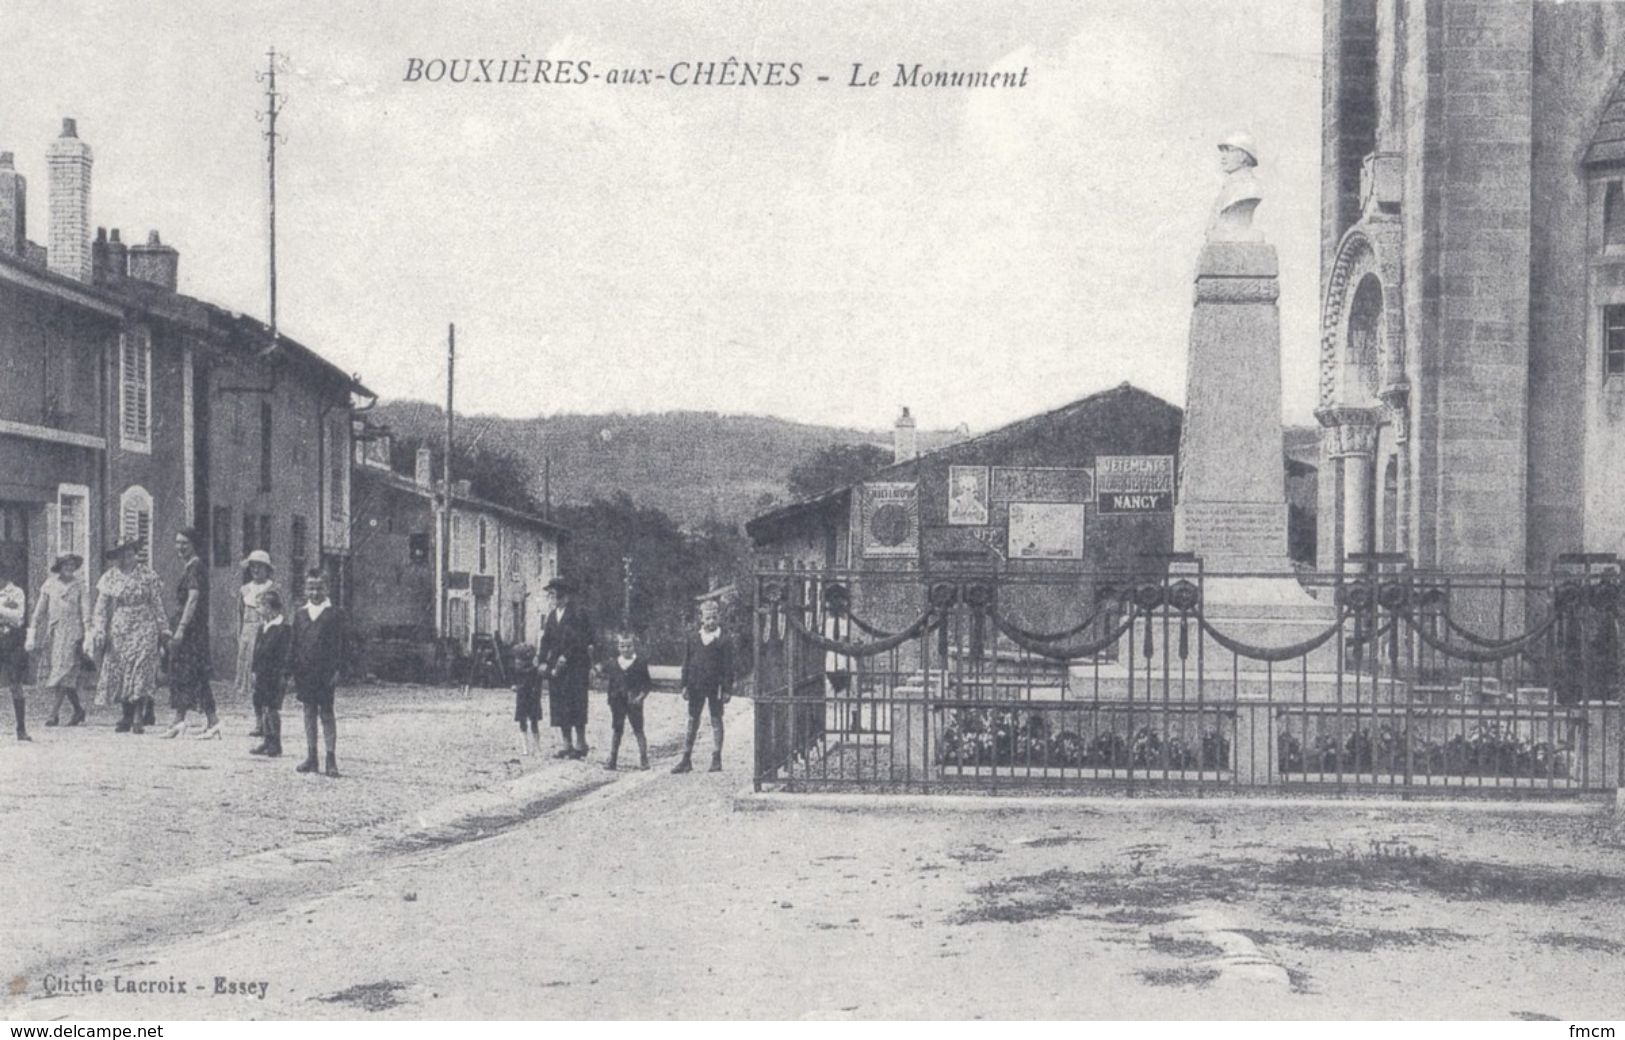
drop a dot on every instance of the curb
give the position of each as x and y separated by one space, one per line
751 800
470 816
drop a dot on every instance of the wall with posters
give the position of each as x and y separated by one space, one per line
1019 500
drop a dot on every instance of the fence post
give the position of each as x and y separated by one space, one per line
909 725
1253 752
1595 750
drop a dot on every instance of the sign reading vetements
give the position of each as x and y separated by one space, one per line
1134 483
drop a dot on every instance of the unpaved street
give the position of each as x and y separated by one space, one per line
580 893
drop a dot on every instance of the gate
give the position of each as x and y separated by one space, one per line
1390 679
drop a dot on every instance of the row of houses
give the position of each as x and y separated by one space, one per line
130 409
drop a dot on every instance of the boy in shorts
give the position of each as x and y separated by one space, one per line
707 683
629 684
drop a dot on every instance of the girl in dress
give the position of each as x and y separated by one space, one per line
189 643
125 629
58 632
252 618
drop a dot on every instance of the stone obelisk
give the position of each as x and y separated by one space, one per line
1232 509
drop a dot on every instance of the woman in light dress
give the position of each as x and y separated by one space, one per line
57 633
251 618
125 630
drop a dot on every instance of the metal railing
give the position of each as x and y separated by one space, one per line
1379 677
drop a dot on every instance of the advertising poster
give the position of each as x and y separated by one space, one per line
1046 531
891 520
967 495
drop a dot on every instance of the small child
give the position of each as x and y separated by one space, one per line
527 705
629 684
271 674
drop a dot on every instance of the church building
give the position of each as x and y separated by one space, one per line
1472 370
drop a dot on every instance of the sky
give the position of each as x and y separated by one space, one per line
822 253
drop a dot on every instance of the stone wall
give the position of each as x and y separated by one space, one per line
1348 116
1578 58
234 488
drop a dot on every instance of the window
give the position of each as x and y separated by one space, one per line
418 547
265 532
135 389
456 535
265 447
483 568
541 557
73 520
220 535
1613 216
1613 343
296 553
458 617
251 532
60 373
338 469
135 520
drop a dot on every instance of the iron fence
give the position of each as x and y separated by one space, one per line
1378 677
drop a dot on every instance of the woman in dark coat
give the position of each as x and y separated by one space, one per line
565 653
189 643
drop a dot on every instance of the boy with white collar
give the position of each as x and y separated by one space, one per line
707 683
315 659
270 666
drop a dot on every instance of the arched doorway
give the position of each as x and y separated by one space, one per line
1362 358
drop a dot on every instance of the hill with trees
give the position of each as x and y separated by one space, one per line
694 466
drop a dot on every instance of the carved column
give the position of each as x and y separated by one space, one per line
1353 444
1397 396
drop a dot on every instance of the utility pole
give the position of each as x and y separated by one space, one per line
626 593
442 527
274 103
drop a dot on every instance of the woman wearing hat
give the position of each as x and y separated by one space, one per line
189 686
57 632
251 618
125 629
566 657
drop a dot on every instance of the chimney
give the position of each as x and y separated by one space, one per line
68 248
13 209
904 446
423 474
118 256
155 262
98 257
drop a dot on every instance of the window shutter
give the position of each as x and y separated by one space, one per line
136 521
135 375
144 532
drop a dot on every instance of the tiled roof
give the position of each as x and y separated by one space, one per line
1608 142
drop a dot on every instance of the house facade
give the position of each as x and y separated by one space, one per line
131 410
499 560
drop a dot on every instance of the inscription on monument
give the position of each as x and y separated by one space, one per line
1234 528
